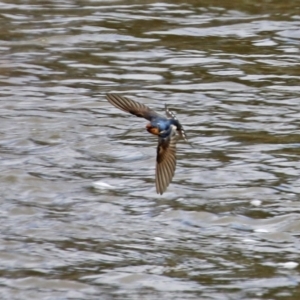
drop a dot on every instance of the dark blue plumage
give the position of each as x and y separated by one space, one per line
166 128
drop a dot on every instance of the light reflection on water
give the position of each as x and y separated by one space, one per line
79 213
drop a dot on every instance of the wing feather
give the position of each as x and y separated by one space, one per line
165 162
131 106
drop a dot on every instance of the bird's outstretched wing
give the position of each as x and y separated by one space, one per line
133 107
165 161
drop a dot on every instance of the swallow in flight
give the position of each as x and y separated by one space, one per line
167 128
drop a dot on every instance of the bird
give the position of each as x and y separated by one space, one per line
167 128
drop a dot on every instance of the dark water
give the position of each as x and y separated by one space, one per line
79 215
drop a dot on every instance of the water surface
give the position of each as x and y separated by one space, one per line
79 215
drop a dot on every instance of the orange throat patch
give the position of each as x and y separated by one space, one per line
153 130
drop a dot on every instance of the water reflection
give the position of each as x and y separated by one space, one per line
79 213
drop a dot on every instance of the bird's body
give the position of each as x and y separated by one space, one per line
166 128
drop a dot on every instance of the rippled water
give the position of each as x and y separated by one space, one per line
79 215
